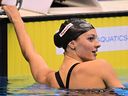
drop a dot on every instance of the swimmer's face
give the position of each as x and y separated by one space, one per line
87 45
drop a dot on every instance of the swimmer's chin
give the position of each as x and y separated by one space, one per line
89 59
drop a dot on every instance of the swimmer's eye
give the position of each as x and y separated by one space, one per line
92 38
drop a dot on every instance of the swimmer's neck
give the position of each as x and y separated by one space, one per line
68 61
71 58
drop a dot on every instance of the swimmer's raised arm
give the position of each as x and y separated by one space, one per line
38 66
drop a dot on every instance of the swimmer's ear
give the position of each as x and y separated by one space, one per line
72 44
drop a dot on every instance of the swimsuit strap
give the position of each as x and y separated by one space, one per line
69 74
59 80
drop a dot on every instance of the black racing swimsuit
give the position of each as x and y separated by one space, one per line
59 80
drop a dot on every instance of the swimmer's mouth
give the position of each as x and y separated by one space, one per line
94 52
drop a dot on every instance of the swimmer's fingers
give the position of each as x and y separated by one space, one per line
11 12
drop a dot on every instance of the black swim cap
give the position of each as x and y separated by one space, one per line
70 30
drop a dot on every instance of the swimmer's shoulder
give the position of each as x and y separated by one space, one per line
93 67
97 62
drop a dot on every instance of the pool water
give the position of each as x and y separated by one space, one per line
26 87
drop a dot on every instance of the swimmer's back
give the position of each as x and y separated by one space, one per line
91 74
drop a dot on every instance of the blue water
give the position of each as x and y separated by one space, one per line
25 87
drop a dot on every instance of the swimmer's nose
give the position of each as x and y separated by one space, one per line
97 44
